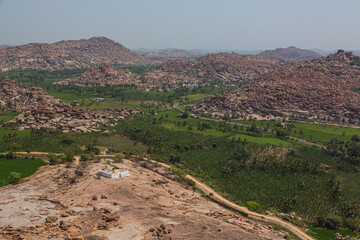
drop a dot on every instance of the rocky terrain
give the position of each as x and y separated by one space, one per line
225 67
319 90
101 75
222 67
67 118
15 97
40 110
70 54
292 53
75 203
171 53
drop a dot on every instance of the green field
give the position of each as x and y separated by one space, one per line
328 234
217 133
25 167
317 133
5 131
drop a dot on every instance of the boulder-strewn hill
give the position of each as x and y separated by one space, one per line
101 75
320 89
171 53
223 66
292 53
15 97
69 54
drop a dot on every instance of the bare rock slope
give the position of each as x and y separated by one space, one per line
68 54
292 53
321 89
145 205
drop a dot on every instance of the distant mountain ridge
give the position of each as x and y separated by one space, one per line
171 53
4 45
292 53
68 54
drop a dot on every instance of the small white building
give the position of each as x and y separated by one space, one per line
114 173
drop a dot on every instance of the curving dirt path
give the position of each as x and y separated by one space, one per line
209 192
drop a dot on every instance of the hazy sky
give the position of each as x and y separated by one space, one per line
189 24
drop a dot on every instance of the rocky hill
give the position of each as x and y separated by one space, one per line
225 67
67 118
318 90
101 75
171 53
292 53
69 54
15 97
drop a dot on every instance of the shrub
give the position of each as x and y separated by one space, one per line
52 158
330 221
119 157
353 224
14 177
253 205
10 155
84 157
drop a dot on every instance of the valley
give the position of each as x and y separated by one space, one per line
268 146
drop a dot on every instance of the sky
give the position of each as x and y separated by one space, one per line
186 24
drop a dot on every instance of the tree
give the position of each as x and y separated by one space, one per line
14 177
84 157
119 157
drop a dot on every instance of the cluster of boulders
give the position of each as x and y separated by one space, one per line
102 75
320 90
67 118
15 97
69 54
162 232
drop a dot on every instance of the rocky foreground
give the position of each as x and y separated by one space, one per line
70 54
320 90
74 203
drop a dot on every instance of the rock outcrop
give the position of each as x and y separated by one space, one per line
70 54
321 90
102 75
15 97
292 53
67 118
